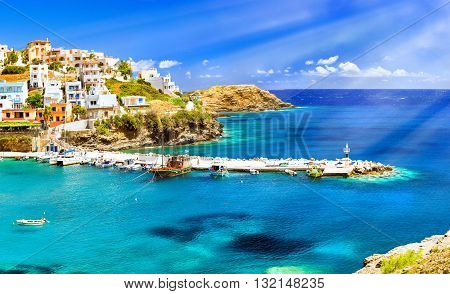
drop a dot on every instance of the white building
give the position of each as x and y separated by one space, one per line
75 93
100 103
53 93
13 95
3 53
90 74
130 101
38 75
100 98
163 83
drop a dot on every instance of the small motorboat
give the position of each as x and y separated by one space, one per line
314 172
254 172
290 172
107 164
32 222
133 167
217 169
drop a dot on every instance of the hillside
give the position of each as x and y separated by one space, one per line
157 99
235 98
430 256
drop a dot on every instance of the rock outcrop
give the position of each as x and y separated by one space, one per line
435 252
117 140
235 98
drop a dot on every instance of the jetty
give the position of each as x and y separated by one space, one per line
340 167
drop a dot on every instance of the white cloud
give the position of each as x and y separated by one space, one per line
388 58
208 76
142 64
377 72
265 72
309 62
287 69
328 61
349 67
205 62
168 63
188 74
213 67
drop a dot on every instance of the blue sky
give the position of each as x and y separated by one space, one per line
274 44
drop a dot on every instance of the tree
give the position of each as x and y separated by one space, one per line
12 58
55 66
25 58
36 100
47 115
79 111
124 68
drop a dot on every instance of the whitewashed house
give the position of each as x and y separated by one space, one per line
163 83
15 93
38 75
134 103
75 93
100 103
53 93
90 74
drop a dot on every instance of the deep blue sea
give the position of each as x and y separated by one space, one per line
106 221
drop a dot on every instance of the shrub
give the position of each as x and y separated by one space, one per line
36 100
13 69
398 262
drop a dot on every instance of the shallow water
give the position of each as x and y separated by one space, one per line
106 221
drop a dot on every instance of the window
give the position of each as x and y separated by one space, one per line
27 114
53 108
63 109
8 114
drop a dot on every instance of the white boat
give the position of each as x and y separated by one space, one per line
134 167
65 161
32 222
254 172
53 161
107 164
290 172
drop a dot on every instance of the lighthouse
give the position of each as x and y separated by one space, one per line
346 150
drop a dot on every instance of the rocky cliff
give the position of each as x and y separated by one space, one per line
235 98
175 132
430 256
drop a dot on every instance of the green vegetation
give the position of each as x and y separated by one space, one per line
24 54
11 58
79 112
436 262
142 88
153 122
396 263
55 66
13 124
125 69
13 69
35 100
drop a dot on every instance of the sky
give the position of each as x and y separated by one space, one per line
282 44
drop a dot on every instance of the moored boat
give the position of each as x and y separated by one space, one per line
218 169
254 172
290 172
314 172
176 165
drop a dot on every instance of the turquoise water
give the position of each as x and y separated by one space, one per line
107 221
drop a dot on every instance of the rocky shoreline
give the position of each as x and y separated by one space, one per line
117 140
434 257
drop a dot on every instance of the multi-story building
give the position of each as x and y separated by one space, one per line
53 93
163 83
16 93
90 74
19 115
75 93
38 75
60 113
38 49
100 103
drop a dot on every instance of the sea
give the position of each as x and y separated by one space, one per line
108 221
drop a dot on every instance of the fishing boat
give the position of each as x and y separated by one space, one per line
176 165
290 172
314 172
218 169
32 222
254 172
